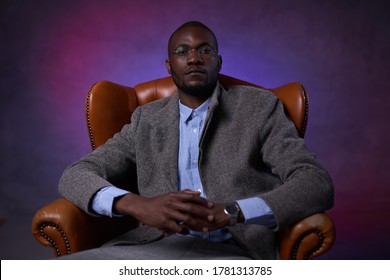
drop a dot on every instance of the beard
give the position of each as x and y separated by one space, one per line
198 88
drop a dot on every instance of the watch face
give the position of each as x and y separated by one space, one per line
231 208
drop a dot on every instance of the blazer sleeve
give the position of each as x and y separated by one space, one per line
113 163
306 186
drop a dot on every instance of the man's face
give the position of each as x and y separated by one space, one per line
193 68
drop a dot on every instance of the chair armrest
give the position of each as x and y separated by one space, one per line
307 238
67 229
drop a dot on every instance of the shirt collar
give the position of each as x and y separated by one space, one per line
186 112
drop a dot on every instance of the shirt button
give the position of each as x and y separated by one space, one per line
195 130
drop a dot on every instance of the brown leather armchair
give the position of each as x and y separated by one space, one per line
67 229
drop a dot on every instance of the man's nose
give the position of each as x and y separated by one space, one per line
194 57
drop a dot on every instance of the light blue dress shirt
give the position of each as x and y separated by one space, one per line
254 209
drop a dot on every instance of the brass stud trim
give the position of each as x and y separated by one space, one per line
306 114
88 117
312 251
51 241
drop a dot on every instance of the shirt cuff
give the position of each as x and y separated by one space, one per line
257 211
103 200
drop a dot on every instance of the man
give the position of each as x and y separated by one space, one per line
215 173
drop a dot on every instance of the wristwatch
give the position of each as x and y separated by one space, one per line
232 210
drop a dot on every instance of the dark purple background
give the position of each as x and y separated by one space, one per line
52 51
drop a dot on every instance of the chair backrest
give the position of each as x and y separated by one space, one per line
109 106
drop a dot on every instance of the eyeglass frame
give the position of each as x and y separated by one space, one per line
198 51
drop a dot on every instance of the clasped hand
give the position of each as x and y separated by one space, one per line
175 212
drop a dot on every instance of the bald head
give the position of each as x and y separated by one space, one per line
192 24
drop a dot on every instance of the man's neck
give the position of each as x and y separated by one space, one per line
191 101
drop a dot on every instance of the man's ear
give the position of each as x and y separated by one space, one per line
168 65
219 63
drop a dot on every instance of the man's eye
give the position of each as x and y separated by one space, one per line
205 50
181 51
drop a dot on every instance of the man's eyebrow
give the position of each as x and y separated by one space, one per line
198 46
181 45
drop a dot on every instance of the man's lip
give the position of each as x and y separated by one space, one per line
195 71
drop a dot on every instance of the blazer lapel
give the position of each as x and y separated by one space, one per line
165 125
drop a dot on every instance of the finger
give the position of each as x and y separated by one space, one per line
172 228
195 197
184 230
186 210
186 197
179 217
191 192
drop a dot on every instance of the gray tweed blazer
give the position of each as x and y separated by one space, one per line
248 148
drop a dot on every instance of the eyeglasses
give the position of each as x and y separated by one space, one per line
203 51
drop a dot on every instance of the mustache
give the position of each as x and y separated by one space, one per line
195 70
